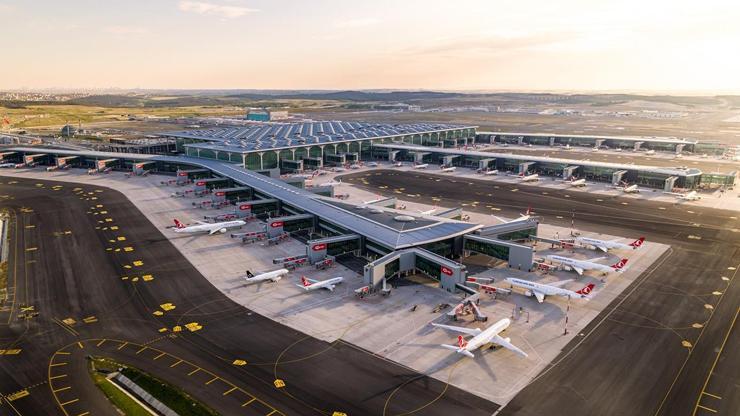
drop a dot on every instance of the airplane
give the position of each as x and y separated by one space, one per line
428 212
480 338
372 164
421 166
577 182
650 152
273 276
540 291
7 165
206 227
629 189
605 245
522 216
690 196
491 172
449 169
529 178
579 266
311 284
331 183
398 164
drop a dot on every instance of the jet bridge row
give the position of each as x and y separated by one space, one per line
444 270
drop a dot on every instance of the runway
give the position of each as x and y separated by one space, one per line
652 350
90 275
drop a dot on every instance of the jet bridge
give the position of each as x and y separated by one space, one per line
638 145
317 250
419 156
201 185
104 165
224 195
411 260
487 163
6 155
617 177
256 207
186 176
517 255
33 160
63 161
669 183
568 171
448 159
143 168
524 167
280 225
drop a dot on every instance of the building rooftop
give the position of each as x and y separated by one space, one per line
286 135
379 228
672 140
545 159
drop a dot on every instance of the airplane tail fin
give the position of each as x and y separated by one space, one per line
637 243
178 224
305 281
461 343
619 266
586 290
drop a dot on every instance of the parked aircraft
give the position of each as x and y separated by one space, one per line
540 291
577 182
690 196
206 227
449 169
491 172
650 152
421 166
398 164
629 189
481 338
605 245
529 178
428 212
311 284
7 165
579 266
273 276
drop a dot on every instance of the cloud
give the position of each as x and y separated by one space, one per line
355 23
492 44
125 30
213 9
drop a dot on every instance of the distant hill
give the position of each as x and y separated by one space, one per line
352 96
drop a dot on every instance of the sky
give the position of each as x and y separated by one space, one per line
524 45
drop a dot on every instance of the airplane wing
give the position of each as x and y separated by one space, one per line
560 283
578 270
602 248
214 231
596 259
201 222
509 346
468 331
539 295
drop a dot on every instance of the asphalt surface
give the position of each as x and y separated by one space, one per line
97 290
668 345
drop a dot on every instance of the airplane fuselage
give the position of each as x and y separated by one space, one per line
209 228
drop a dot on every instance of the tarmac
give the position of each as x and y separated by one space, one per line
92 276
662 346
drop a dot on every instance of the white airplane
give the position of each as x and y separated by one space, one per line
523 216
449 169
577 182
207 227
331 183
372 164
7 165
579 266
421 166
273 276
491 172
480 338
605 245
398 164
690 196
540 291
529 178
428 212
311 284
629 189
650 152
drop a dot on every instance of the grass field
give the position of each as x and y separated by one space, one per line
118 399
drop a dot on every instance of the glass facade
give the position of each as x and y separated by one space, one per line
489 249
342 247
392 268
442 248
427 267
297 225
518 235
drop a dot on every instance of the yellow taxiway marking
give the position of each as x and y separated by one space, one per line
90 319
61 389
63 353
100 343
141 349
159 356
32 248
17 395
712 395
30 226
69 402
194 371
176 363
79 344
212 380
271 413
11 352
706 408
714 364
84 414
56 377
122 345
245 404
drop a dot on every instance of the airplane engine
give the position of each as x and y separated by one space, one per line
223 230
528 293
